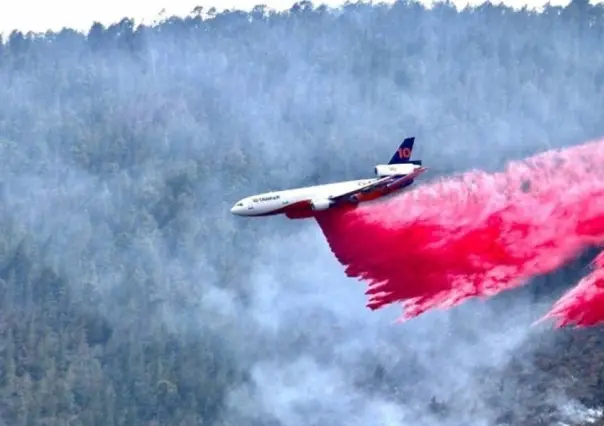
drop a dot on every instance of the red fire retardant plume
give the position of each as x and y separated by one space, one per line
479 234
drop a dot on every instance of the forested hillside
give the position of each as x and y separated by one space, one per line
129 295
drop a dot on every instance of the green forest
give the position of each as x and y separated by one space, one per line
129 295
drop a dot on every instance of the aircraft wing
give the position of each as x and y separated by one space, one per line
390 181
370 186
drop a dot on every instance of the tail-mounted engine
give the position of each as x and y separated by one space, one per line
383 170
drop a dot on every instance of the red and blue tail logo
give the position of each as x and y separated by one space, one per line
403 153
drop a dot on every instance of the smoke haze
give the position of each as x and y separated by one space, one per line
123 152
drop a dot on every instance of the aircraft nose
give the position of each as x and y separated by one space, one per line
237 209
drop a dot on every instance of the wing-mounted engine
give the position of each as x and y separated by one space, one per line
383 170
321 204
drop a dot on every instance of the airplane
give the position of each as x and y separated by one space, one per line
300 203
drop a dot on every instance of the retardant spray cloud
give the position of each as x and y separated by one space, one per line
478 234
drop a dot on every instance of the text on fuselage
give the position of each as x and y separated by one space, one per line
267 198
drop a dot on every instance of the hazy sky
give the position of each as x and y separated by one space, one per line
41 15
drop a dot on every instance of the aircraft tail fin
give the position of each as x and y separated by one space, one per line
403 153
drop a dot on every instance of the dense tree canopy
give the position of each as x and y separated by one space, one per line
130 296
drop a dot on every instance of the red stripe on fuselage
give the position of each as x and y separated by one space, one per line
292 209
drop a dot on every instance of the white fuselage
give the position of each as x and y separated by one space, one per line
277 201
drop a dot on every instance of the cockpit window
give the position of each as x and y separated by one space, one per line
239 204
